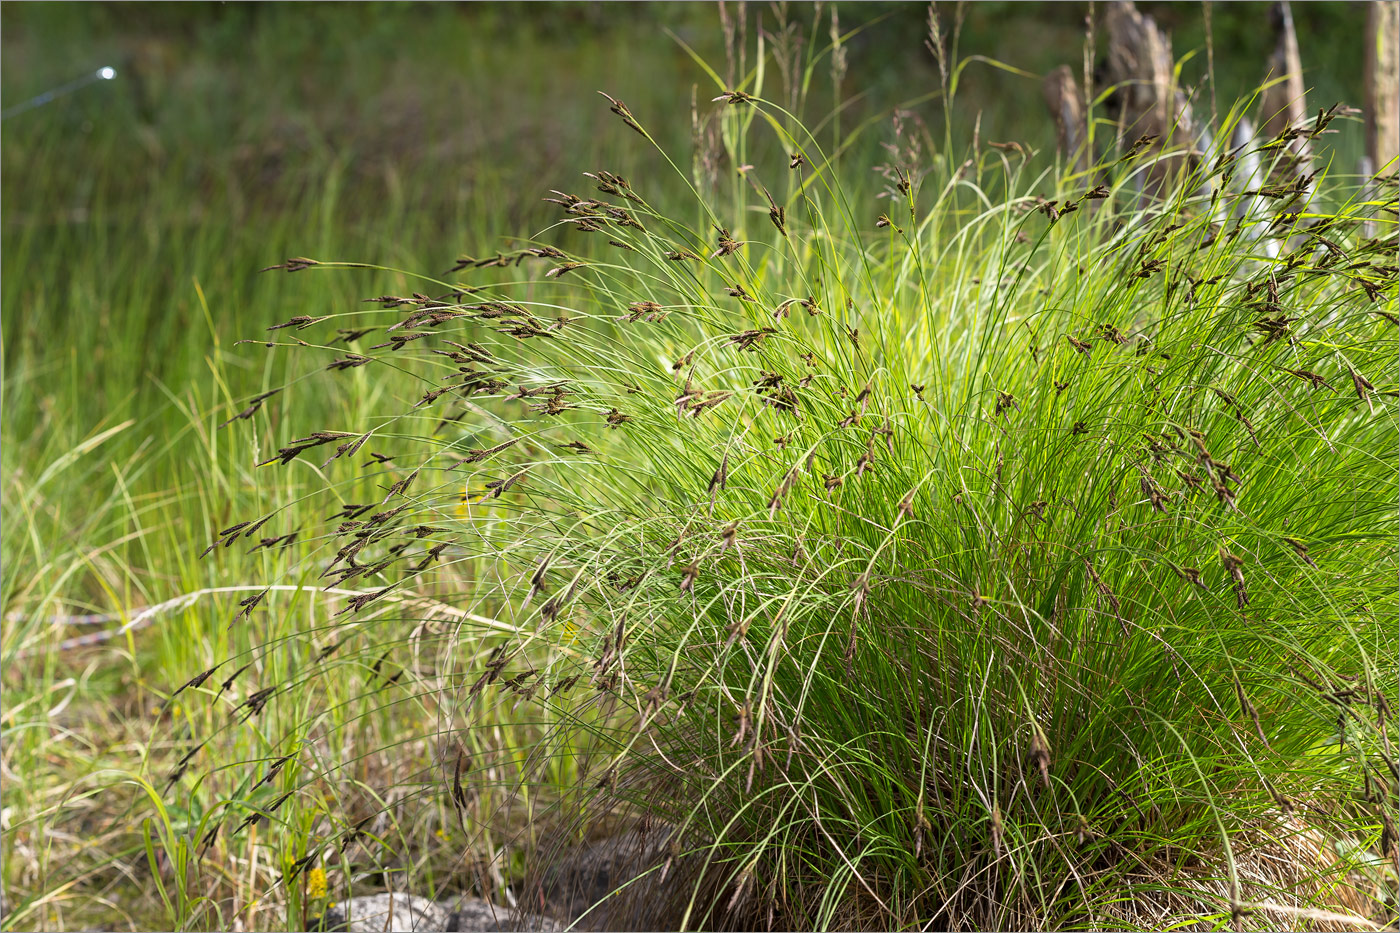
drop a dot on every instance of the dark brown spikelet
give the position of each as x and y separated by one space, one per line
175 775
733 97
1103 588
721 477
254 404
389 302
616 185
459 796
349 361
1274 328
1110 334
191 753
224 687
289 453
1155 496
1040 755
356 833
1137 148
295 264
300 322
476 456
1301 550
727 244
619 108
303 863
1311 377
537 579
1233 566
1080 345
1190 575
576 447
650 310
1363 387
227 537
1149 268
361 600
432 395
273 770
1188 477
750 339
500 486
494 665
255 703
565 685
194 682
399 341
348 449
248 605
401 487
617 419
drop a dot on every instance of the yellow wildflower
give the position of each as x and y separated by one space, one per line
316 883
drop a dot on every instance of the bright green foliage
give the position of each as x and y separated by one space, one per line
964 565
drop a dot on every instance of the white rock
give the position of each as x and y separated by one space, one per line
473 915
389 912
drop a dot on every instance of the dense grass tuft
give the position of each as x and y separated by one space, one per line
940 559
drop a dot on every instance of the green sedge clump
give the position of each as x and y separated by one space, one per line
941 558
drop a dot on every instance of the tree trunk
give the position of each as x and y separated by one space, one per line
1284 103
1382 79
1066 105
1140 66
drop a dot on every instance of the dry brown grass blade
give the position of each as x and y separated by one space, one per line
149 614
1344 921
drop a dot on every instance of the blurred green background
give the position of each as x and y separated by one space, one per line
406 133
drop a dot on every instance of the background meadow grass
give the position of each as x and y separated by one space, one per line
136 216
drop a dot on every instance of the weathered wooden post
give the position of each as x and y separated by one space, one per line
1382 84
1066 105
1140 64
1285 101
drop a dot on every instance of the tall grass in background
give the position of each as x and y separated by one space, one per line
929 559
